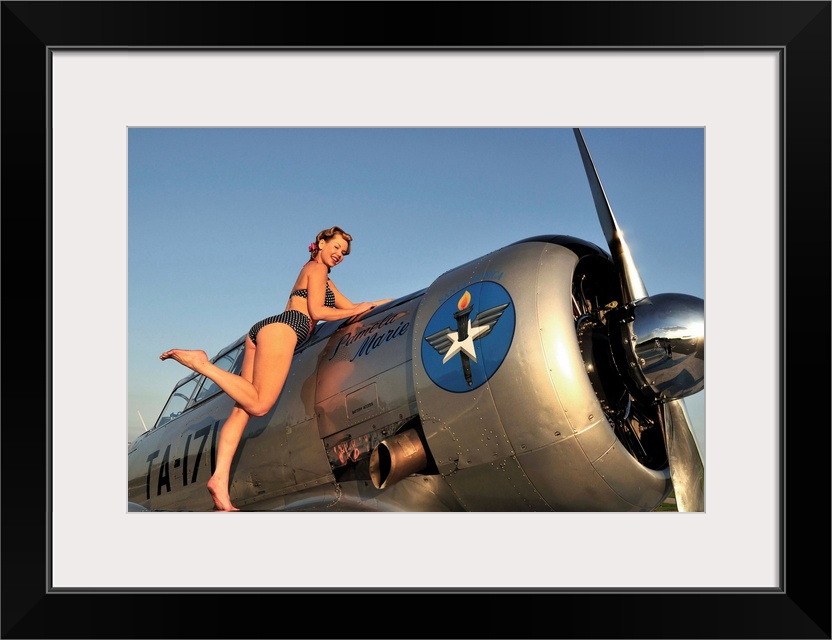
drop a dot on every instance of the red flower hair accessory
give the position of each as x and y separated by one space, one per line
312 247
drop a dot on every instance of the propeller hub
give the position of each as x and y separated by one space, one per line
661 346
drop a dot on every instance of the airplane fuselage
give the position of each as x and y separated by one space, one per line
491 390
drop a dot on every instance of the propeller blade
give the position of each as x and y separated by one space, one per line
687 472
631 283
649 360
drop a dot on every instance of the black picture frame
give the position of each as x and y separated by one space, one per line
800 608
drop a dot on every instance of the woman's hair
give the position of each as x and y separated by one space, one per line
326 235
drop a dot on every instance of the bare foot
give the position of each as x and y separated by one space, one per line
222 501
190 358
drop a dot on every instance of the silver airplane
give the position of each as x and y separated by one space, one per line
539 377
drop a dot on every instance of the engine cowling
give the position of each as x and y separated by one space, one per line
503 392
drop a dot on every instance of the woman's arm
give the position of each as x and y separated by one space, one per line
341 301
316 294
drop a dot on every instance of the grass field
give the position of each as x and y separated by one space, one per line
669 504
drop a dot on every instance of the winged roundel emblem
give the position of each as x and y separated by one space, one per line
450 342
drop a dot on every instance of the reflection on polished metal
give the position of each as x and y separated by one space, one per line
574 403
669 343
631 283
663 344
686 469
396 458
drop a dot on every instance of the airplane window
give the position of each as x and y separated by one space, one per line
178 401
225 361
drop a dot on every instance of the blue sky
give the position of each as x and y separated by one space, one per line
219 219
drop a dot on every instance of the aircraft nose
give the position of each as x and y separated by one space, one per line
669 334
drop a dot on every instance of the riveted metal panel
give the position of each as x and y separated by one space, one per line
296 403
558 339
569 482
635 483
460 421
364 370
538 276
442 444
536 407
511 488
282 460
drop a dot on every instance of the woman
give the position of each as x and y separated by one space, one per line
270 345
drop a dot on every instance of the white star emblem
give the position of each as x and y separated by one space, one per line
466 345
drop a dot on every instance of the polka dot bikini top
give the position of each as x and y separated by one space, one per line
329 299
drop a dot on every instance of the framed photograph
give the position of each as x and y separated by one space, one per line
79 77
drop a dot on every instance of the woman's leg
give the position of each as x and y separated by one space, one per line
265 366
230 435
275 342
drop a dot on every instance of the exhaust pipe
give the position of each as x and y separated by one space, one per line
396 458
